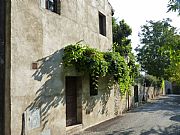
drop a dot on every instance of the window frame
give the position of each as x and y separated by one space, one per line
102 24
56 7
49 6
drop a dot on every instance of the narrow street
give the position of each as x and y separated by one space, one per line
158 117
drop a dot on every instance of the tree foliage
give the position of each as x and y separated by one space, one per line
174 5
174 70
158 54
122 45
149 81
98 64
121 32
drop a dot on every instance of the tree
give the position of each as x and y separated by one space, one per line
174 5
159 39
122 45
121 32
174 70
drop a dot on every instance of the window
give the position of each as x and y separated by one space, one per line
102 24
53 5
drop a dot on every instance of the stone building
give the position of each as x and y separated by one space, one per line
37 95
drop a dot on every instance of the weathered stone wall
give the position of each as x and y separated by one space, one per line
39 35
152 92
146 93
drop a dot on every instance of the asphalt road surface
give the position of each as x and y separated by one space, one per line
158 117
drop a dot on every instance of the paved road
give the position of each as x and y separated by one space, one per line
159 117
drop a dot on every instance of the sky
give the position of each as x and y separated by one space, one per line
136 12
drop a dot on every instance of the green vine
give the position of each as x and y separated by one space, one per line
96 64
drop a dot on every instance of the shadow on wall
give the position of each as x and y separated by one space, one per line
152 92
146 93
102 98
51 93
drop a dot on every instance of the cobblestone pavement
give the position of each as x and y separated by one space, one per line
158 117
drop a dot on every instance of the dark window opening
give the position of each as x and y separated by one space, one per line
102 24
53 5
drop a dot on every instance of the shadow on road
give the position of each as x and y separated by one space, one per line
171 130
169 106
175 118
129 132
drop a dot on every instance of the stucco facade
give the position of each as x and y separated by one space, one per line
35 81
36 98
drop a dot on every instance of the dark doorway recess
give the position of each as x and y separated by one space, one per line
73 100
169 91
2 65
136 94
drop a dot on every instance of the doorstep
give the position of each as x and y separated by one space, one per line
73 129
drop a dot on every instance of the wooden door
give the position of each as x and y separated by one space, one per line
71 101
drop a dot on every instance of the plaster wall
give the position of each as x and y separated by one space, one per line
98 108
39 35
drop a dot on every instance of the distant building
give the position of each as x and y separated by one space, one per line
168 87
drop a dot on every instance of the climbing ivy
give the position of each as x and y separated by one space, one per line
97 63
118 69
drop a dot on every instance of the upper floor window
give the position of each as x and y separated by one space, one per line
102 24
52 5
